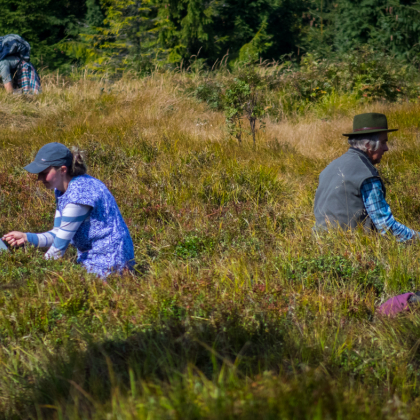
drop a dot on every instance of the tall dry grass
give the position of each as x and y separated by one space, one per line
236 310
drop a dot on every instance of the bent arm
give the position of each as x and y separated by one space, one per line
46 239
71 219
5 71
380 212
7 66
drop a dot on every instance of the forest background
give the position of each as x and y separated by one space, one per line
143 35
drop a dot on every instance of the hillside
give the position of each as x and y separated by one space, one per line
236 310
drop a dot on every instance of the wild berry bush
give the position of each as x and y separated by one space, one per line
210 92
326 269
290 87
368 74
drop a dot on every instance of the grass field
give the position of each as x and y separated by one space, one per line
236 310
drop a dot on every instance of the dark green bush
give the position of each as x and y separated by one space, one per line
368 74
250 93
209 92
316 271
193 246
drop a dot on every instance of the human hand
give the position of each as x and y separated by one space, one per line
15 238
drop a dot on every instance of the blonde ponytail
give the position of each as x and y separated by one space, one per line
78 166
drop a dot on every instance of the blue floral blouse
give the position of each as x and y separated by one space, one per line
103 242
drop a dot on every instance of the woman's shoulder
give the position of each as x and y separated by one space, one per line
85 182
84 189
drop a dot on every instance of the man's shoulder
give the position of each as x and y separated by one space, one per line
339 162
352 166
363 161
354 161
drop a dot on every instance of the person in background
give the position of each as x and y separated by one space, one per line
351 192
87 215
16 70
19 76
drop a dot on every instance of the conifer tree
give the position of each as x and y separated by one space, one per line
94 15
392 26
42 23
214 28
124 38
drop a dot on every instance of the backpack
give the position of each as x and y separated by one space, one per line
13 44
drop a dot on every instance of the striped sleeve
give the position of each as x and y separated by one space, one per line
72 217
46 239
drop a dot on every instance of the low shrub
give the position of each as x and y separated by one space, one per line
321 270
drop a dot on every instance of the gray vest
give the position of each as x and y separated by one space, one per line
338 201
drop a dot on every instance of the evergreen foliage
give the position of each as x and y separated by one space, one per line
389 25
94 15
224 27
124 38
43 23
128 34
140 34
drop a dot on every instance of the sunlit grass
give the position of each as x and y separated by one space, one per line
236 310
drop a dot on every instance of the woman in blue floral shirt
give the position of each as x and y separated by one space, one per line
87 215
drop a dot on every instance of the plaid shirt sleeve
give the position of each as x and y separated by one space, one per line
380 212
27 78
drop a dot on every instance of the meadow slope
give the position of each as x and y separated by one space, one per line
235 309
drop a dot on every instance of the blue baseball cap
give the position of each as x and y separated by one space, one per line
52 154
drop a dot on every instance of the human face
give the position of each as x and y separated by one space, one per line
376 156
54 178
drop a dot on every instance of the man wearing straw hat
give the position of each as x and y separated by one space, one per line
350 191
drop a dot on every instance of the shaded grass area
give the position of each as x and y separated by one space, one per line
236 309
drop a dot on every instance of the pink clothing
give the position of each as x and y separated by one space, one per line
395 305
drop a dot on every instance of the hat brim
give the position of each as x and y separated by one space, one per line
36 168
359 133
